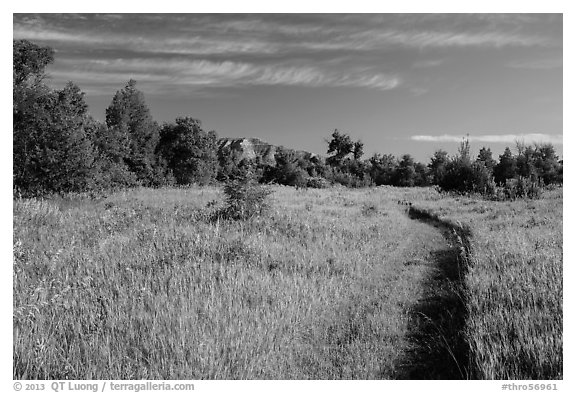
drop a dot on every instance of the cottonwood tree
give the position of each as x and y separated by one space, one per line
358 150
136 133
506 167
339 146
190 152
51 149
405 174
31 102
382 168
29 62
437 166
485 158
548 167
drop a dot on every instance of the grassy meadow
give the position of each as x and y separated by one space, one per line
143 284
513 284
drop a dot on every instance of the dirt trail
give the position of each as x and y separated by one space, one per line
436 348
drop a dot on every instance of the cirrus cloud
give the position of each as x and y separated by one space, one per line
505 138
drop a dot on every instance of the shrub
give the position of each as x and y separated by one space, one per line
317 182
522 187
245 199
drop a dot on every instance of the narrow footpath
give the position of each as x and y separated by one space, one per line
436 347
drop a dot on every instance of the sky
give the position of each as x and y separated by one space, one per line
401 83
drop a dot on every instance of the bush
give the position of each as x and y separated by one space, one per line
317 182
245 199
522 187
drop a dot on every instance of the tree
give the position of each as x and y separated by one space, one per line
485 158
29 62
547 165
52 151
130 120
382 168
341 145
358 150
405 175
190 152
228 160
290 170
58 154
464 151
525 161
506 167
422 177
437 166
31 102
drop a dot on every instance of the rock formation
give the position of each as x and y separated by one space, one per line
254 148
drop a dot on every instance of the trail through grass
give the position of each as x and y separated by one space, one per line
142 285
330 284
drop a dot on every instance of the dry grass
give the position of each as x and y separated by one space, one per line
513 284
143 285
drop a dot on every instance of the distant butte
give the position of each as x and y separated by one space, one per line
254 149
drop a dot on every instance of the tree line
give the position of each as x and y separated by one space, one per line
58 147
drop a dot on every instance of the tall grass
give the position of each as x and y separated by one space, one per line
145 284
514 284
142 284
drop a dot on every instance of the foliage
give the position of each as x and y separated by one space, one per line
437 166
358 150
405 174
506 167
288 170
317 182
521 176
341 145
29 62
382 168
522 187
467 177
138 134
245 199
485 158
58 147
51 149
190 152
228 161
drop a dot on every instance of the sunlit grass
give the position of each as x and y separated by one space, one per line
514 284
142 285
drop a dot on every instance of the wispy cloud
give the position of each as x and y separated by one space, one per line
506 138
175 45
442 39
293 50
265 35
201 73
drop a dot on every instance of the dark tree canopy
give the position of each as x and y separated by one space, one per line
131 124
506 167
358 150
30 61
485 158
190 152
437 165
340 145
